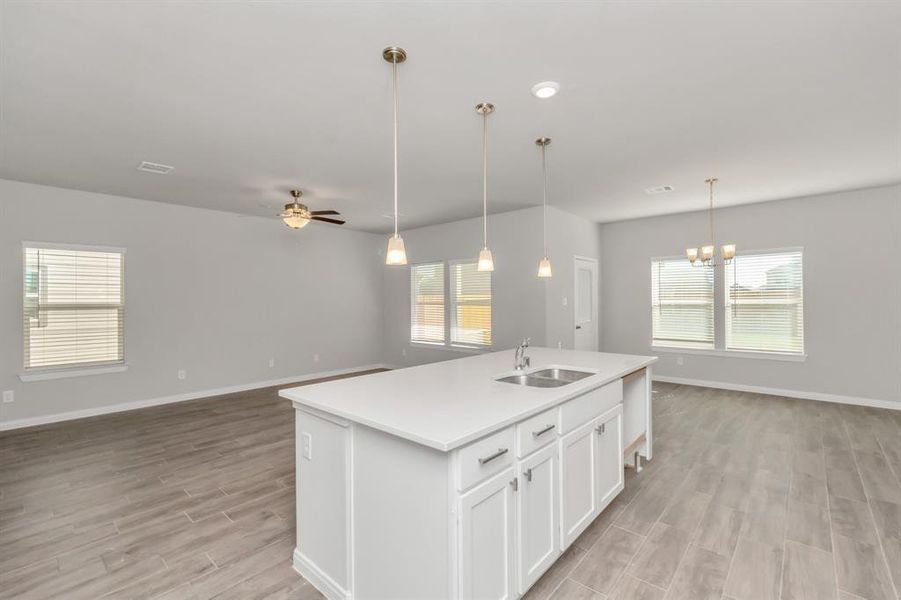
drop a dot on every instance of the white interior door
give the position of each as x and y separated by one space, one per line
585 305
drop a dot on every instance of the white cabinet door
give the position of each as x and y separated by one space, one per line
487 551
578 500
537 515
609 459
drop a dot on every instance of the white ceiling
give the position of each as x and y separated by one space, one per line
247 100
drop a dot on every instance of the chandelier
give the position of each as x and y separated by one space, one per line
704 256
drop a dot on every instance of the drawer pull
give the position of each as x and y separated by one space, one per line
543 431
488 459
528 474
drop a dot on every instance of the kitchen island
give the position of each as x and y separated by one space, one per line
440 481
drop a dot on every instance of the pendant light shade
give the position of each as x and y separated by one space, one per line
544 268
544 265
486 261
396 254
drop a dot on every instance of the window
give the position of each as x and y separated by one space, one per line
450 304
427 310
764 302
470 304
73 306
681 304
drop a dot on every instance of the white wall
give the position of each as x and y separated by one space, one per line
522 304
852 290
211 292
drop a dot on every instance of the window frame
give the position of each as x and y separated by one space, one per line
29 374
719 315
675 348
725 295
449 317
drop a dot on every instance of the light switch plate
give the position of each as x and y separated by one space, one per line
8 397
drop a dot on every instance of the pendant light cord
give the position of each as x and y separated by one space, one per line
485 175
394 77
544 220
711 181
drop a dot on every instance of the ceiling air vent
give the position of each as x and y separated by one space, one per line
660 189
151 167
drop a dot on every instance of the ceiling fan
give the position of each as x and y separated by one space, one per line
297 215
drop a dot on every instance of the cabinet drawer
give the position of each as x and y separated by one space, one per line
536 432
484 458
589 405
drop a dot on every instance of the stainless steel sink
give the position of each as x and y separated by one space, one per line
547 378
566 375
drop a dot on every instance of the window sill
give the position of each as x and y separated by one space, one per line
452 347
732 353
46 374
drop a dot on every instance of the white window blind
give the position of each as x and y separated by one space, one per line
427 306
470 302
681 304
764 302
73 307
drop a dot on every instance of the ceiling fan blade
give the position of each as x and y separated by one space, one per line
324 212
335 221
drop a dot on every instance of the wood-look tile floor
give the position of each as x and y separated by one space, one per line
748 497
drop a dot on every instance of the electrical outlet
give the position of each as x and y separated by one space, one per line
182 374
9 397
565 301
271 363
680 360
315 358
559 345
307 449
403 351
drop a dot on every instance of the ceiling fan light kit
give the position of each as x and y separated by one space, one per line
297 215
705 256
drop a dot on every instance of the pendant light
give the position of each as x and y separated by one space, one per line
397 254
705 253
544 265
486 262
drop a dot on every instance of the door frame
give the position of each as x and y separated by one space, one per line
596 296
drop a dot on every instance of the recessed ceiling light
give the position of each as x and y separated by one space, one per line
660 189
156 168
545 89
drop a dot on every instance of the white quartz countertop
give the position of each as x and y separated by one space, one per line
447 404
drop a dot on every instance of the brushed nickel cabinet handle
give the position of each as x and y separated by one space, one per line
601 428
528 474
543 431
487 459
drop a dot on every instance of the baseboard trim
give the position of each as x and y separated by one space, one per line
322 582
819 396
126 406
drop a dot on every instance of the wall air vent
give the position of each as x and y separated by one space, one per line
660 189
156 168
